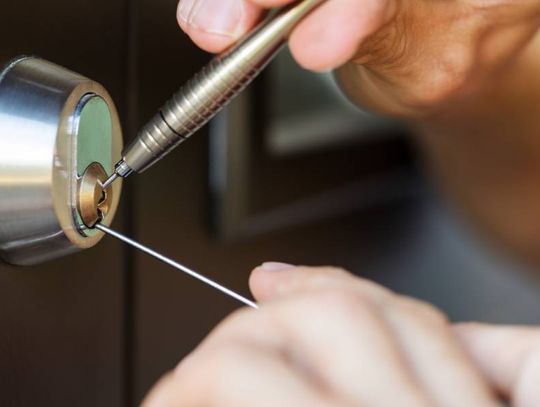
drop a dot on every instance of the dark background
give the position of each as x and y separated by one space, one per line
100 327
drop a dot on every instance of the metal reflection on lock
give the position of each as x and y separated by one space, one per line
59 138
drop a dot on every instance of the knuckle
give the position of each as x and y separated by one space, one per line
507 10
334 285
438 87
321 277
429 74
341 300
388 47
441 79
336 272
374 289
425 312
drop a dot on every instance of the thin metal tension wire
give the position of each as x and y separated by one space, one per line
176 265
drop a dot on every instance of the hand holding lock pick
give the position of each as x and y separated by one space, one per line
322 336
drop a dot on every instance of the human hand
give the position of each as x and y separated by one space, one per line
400 57
323 337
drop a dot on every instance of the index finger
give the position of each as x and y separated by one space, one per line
214 25
326 39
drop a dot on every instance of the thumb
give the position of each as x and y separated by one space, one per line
265 280
214 25
272 280
509 357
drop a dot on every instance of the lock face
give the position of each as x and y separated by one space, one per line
57 129
93 134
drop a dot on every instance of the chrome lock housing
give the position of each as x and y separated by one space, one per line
59 138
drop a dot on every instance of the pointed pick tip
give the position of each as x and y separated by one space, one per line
110 180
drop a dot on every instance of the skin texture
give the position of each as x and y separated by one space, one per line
323 337
400 57
464 74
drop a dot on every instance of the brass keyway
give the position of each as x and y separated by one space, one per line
93 201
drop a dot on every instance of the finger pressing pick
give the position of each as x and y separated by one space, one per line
214 25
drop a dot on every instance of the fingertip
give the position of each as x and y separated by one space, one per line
312 57
316 46
264 279
207 41
201 26
259 285
210 42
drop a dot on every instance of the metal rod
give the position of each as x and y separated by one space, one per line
176 265
110 180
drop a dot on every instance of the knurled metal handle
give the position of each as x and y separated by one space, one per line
201 98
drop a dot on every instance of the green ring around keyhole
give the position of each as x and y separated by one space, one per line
93 140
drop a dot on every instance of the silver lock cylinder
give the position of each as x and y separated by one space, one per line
59 137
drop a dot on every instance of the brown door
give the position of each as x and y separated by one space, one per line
99 328
62 323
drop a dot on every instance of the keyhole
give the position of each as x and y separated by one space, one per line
103 198
94 202
102 205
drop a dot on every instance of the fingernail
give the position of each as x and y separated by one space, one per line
275 266
221 17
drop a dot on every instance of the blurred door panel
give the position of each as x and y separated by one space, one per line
61 323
